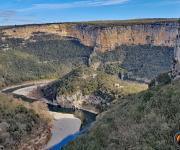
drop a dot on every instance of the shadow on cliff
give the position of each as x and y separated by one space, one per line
141 61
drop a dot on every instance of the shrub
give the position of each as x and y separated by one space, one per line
147 120
18 123
161 79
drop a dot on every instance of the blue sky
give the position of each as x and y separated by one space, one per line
44 11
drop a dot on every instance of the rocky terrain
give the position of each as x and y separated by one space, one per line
88 59
147 120
87 89
141 48
23 126
105 36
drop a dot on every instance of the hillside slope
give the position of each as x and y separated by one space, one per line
89 89
144 48
50 56
148 120
21 127
140 62
42 56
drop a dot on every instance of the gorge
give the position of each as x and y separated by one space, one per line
106 36
141 48
101 67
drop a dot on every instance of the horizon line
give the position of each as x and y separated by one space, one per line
94 21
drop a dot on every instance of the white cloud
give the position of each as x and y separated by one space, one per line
76 4
8 17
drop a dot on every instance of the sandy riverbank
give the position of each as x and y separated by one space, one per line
28 83
32 92
63 124
27 91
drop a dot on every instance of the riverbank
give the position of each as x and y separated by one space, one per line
27 83
23 126
31 90
63 124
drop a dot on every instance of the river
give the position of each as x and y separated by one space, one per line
66 127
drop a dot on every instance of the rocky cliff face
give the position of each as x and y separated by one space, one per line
176 65
80 101
104 38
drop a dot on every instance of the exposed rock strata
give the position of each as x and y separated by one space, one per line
176 65
79 101
104 38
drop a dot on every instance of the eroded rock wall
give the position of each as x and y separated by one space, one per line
104 38
176 65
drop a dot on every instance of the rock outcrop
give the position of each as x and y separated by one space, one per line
176 65
91 103
105 37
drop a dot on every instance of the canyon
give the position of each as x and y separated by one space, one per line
139 49
105 36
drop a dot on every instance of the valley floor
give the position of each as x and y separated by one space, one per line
63 124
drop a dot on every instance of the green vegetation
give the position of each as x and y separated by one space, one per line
134 121
17 123
147 120
48 57
113 69
55 48
161 79
90 82
141 61
51 56
16 66
72 82
112 23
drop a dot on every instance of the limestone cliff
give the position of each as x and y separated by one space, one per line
105 37
176 65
